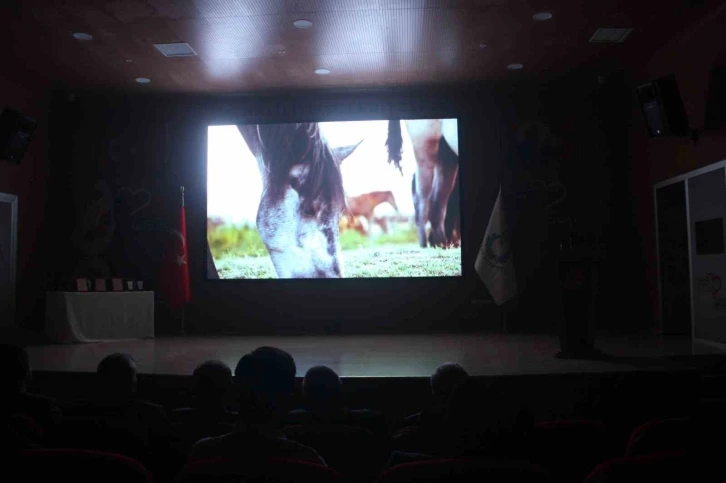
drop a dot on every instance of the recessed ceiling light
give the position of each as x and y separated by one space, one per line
515 66
82 36
542 16
143 80
302 23
322 71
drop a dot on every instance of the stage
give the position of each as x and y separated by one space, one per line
390 356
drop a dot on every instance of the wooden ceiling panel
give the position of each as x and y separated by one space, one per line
342 33
445 4
238 8
247 45
312 6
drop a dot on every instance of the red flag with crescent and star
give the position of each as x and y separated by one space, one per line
174 278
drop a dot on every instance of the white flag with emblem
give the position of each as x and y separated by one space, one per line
494 263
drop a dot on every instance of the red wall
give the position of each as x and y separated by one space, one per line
689 57
29 181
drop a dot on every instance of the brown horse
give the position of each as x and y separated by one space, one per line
364 205
436 148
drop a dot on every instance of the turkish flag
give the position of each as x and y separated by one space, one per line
174 277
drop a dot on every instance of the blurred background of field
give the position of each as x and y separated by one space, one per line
244 241
239 252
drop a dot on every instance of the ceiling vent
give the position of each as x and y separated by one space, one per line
176 50
610 36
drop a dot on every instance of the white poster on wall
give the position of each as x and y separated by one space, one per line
707 213
8 253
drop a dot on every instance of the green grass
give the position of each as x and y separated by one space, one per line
232 266
239 252
402 261
232 240
245 241
373 262
354 240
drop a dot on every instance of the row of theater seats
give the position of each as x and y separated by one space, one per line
470 430
559 451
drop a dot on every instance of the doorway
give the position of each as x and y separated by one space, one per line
8 253
673 259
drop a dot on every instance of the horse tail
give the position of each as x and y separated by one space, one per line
395 143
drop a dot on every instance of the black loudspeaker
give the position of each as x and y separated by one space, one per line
663 108
15 133
716 103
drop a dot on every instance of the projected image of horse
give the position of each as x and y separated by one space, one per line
435 182
302 198
323 200
360 211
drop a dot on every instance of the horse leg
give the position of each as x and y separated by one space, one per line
452 221
442 187
424 182
383 224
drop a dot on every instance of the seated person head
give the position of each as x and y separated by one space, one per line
117 375
266 379
212 381
14 368
322 388
446 378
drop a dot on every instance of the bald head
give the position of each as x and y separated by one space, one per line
117 374
446 378
322 386
212 380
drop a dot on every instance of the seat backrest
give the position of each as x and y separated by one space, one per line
80 466
569 449
652 468
102 435
25 428
188 433
352 451
464 470
219 470
667 435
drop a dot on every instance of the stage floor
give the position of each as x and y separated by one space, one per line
386 355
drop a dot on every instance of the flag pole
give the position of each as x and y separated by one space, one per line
183 307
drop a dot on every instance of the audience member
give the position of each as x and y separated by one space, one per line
128 425
16 373
212 385
444 380
265 379
322 392
478 422
323 396
115 395
484 421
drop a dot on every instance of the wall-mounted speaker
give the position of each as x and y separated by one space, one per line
15 133
663 108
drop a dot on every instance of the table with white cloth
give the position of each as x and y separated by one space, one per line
99 316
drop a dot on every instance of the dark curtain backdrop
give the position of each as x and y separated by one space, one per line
118 162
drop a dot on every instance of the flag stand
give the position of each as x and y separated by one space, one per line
183 311
184 305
